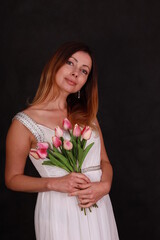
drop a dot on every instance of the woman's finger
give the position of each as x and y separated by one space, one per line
86 205
81 181
79 193
87 196
85 185
84 201
82 176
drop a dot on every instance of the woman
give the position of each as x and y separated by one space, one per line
68 88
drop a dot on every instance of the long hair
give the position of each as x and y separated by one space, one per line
84 110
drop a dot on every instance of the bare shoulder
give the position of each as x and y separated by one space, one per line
17 129
19 134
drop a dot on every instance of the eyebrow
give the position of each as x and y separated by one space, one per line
82 65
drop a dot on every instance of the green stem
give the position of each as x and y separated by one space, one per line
95 205
90 209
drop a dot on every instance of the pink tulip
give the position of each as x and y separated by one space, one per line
76 130
42 145
33 153
56 141
41 151
58 132
67 124
86 132
67 145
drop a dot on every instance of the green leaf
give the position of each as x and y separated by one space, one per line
74 149
64 152
72 160
83 143
84 154
79 140
58 163
54 149
73 139
63 160
70 155
80 152
48 163
80 155
69 159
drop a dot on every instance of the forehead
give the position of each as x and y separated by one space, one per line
82 58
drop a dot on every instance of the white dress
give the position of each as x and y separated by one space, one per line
57 215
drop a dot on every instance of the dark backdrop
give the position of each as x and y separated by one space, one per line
125 37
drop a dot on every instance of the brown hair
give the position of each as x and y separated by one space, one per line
82 111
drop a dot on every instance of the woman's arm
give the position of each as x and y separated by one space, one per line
90 193
107 171
18 144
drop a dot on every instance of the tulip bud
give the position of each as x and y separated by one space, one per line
67 124
56 141
67 145
58 132
41 151
76 130
86 133
42 145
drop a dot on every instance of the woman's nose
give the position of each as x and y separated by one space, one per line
74 73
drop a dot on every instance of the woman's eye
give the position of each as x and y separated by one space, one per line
84 71
69 63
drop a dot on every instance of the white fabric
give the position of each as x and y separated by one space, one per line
58 216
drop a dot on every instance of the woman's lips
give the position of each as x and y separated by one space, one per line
70 82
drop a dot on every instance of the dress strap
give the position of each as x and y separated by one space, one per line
31 125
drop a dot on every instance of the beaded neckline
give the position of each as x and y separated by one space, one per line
29 123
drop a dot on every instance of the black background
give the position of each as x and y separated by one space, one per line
125 38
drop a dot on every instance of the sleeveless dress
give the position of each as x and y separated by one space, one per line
57 215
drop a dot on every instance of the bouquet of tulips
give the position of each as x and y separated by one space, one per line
66 154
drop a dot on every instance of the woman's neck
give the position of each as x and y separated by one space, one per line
59 103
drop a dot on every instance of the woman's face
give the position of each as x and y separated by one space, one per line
71 77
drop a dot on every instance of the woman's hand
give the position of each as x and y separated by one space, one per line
69 183
90 193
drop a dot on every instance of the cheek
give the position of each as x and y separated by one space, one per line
83 80
63 70
60 71
57 78
59 75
